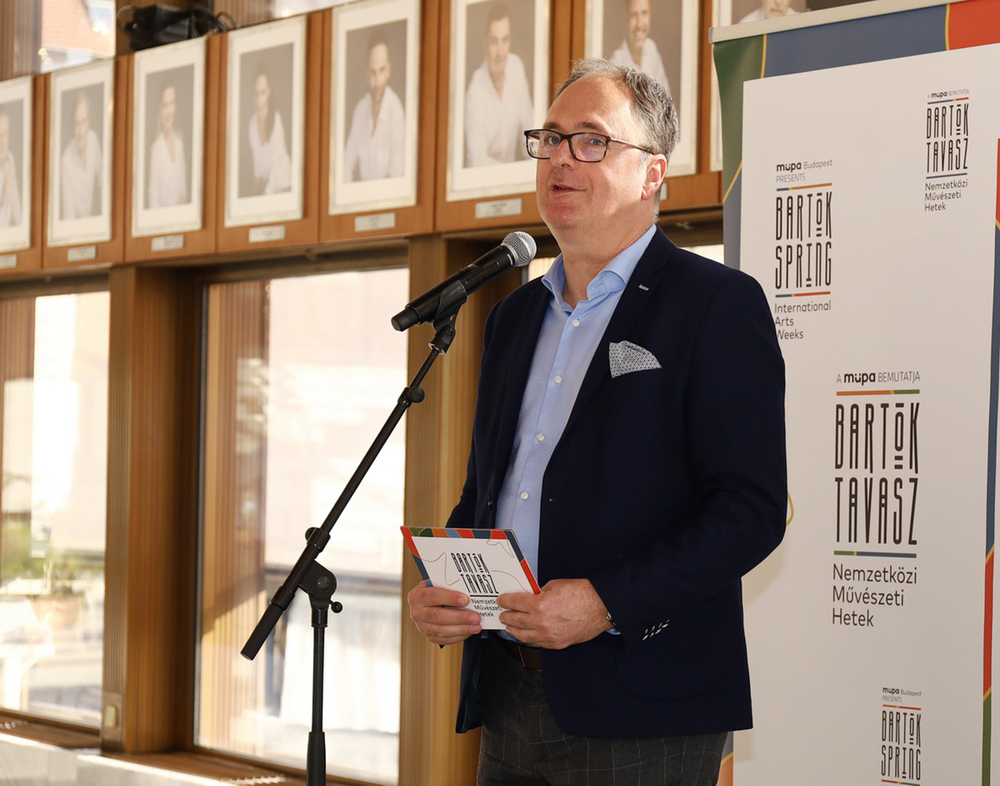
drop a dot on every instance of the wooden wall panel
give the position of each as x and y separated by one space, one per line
439 432
20 37
245 12
151 545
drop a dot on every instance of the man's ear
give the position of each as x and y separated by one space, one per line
656 170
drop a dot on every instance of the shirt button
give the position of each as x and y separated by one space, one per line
576 323
558 380
524 495
540 437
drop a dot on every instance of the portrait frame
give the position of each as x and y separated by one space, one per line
678 48
721 9
16 215
530 42
351 28
277 49
181 66
733 12
95 82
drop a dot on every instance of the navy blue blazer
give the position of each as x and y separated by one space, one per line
667 486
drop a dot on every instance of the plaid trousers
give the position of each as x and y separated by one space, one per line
523 746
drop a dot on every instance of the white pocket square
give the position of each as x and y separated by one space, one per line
627 357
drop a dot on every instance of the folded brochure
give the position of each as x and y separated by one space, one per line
482 563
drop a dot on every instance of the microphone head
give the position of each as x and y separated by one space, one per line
522 246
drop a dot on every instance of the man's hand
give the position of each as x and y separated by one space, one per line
429 609
568 611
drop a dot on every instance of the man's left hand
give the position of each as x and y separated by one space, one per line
568 611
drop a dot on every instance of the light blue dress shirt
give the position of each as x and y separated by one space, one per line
566 345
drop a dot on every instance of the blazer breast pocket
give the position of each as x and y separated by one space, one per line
624 357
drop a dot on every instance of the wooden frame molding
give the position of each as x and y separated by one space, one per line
151 541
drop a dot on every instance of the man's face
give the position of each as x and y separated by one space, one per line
262 95
497 47
4 137
379 70
637 23
776 8
168 107
605 198
81 125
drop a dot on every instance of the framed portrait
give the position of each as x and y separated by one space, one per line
659 37
168 131
732 12
716 115
495 42
374 100
265 123
80 146
15 164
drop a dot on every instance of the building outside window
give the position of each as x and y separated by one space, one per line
54 403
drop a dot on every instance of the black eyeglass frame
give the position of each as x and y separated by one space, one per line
528 138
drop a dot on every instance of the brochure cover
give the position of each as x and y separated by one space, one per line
482 563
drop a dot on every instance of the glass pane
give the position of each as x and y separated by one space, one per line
73 33
54 370
301 373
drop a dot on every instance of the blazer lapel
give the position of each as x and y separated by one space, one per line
645 278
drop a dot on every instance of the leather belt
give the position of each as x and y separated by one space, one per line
529 657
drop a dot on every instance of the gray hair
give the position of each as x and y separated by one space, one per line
651 104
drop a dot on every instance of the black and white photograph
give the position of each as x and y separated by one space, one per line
757 10
80 145
81 133
168 103
660 38
266 120
15 164
499 89
375 89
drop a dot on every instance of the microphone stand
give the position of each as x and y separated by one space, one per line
314 579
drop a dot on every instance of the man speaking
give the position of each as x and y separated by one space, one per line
630 429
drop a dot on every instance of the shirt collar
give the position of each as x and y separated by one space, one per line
612 278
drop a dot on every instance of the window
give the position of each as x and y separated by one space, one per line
299 376
74 32
54 404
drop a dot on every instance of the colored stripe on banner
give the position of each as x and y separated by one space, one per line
973 23
991 497
726 770
877 392
916 32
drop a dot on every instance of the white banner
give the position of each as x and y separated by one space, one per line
869 216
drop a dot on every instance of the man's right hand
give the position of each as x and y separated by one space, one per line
438 614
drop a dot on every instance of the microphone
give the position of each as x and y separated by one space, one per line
516 250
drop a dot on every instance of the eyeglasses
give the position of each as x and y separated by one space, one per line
586 146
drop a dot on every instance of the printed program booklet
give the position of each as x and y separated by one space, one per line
482 563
